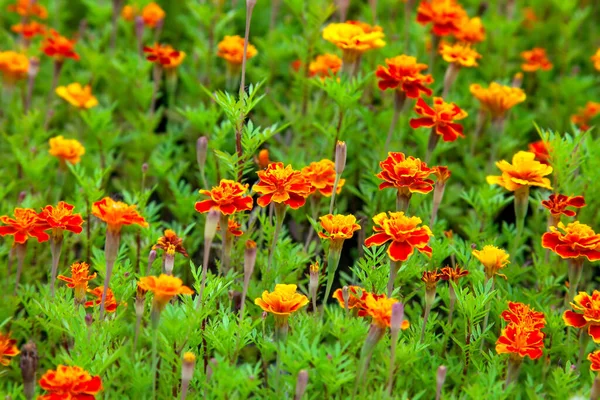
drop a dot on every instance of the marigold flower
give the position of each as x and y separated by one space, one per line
77 95
129 12
67 150
445 16
262 160
170 243
578 240
524 315
403 232
407 174
28 8
80 276
116 214
524 171
520 341
541 149
69 383
379 308
596 59
430 279
404 73
231 49
13 65
62 218
325 66
529 17
558 203
110 304
470 30
233 228
585 314
493 260
283 301
497 99
165 55
152 14
338 228
453 274
281 184
8 348
25 224
535 59
594 358
354 299
354 38
29 29
228 198
460 53
585 115
321 175
441 116
442 174
59 47
164 288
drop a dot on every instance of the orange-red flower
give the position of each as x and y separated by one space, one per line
407 174
558 203
445 16
493 260
25 224
535 59
460 54
165 55
80 276
170 243
325 66
228 198
529 17
338 228
453 274
523 314
354 38
262 160
13 65
585 115
430 279
586 314
72 383
78 95
596 59
29 29
576 240
62 218
594 358
234 228
8 348
541 149
67 150
403 232
321 175
116 214
28 8
524 171
404 73
497 99
231 49
283 301
470 30
442 174
281 184
129 12
521 341
152 14
59 47
441 116
379 308
165 287
110 303
355 294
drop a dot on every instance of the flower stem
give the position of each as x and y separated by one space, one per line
156 76
333 260
402 201
55 249
487 315
512 371
155 321
111 249
434 138
428 305
521 205
223 223
280 210
20 252
373 337
574 272
394 268
584 339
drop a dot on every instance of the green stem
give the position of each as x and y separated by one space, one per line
155 321
55 249
333 260
394 268
280 210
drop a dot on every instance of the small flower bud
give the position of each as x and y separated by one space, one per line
397 317
346 297
210 228
145 168
201 150
264 315
28 365
313 282
263 160
34 67
301 383
169 263
249 260
250 4
151 258
340 157
517 79
187 368
89 319
22 196
140 299
440 378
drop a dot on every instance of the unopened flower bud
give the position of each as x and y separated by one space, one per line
210 228
187 368
22 196
151 258
28 365
345 296
201 150
34 67
169 263
145 168
517 80
313 282
397 317
264 315
140 300
340 157
250 4
89 319
440 378
301 383
249 260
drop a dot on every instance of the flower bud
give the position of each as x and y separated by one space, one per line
34 67
28 365
250 4
301 383
151 258
313 282
340 157
517 79
249 260
22 196
210 228
145 168
89 319
169 263
397 317
440 378
140 299
187 368
346 297
201 150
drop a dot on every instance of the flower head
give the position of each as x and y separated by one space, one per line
404 73
8 348
59 47
470 30
80 276
497 99
321 175
338 228
110 303
445 16
354 37
62 218
28 8
430 279
535 59
524 315
558 203
164 55
524 171
442 174
262 160
493 260
594 358
69 383
584 116
281 184
596 59
325 66
403 232
576 240
520 342
585 314
77 95
116 214
234 228
170 243
228 198
379 308
460 53
129 12
541 149
67 150
29 29
441 117
231 49
152 14
283 301
453 274
13 65
165 287
407 174
25 224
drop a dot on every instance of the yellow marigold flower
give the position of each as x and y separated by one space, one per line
77 95
164 287
596 59
493 260
535 59
325 66
354 38
283 301
460 53
152 14
470 30
379 308
525 170
13 65
67 150
338 228
497 99
231 49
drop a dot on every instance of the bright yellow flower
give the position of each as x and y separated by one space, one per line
493 260
77 95
525 170
497 99
460 54
354 38
69 150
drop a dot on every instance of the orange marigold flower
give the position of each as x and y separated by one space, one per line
497 99
228 198
524 171
62 218
596 59
493 260
441 116
129 12
403 232
281 184
355 294
325 66
379 308
110 303
116 214
170 243
233 228
430 279
77 95
578 240
354 38
408 175
535 59
25 224
524 315
262 159
404 73
321 175
231 49
29 29
165 55
558 203
69 383
442 174
283 301
594 358
541 149
152 14
59 47
453 274
470 30
165 287
338 228
28 8
585 115
586 314
80 276
521 341
445 16
460 53
529 17
13 65
8 348
67 150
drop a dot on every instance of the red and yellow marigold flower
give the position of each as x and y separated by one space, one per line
535 59
321 175
497 99
231 49
25 224
164 287
129 12
541 149
152 14
337 228
524 171
164 55
493 260
14 66
69 383
407 174
281 184
379 308
8 348
404 74
585 314
228 198
430 279
403 232
80 276
558 203
470 30
78 95
234 227
453 274
325 66
355 294
59 47
461 54
170 243
441 117
110 304
283 301
594 358
523 314
521 341
585 115
66 150
28 8
29 29
61 218
596 59
354 38
116 214
442 174
573 241
444 15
